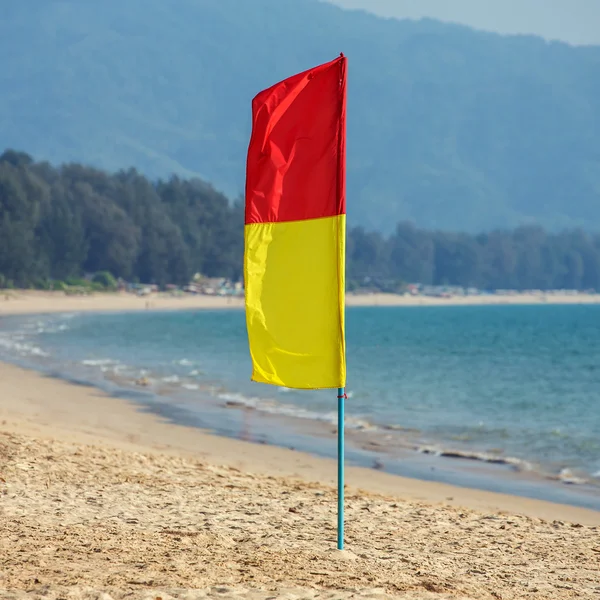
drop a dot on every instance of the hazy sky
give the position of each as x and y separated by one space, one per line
574 21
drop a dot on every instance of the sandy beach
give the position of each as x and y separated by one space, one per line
34 302
102 500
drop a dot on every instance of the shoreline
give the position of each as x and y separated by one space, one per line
235 421
426 462
105 500
61 410
26 302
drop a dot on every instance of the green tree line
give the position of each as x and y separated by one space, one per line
526 258
58 223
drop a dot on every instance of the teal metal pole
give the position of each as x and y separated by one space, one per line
341 420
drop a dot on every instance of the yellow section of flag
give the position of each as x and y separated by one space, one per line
294 277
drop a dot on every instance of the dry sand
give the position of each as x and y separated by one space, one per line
99 499
31 302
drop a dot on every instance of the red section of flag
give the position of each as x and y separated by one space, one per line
296 161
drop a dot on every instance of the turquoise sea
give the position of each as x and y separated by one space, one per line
499 397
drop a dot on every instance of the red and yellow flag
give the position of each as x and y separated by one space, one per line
295 230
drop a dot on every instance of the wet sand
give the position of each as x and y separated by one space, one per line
98 497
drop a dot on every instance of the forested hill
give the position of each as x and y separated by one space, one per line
60 223
448 127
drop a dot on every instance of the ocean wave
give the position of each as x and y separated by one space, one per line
38 327
361 424
236 400
23 349
171 379
99 362
566 475
52 328
107 366
486 457
570 477
190 386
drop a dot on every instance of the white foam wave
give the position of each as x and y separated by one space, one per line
517 463
190 386
21 348
171 379
99 362
48 326
289 410
568 476
52 328
35 351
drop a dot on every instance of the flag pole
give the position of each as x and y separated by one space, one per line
340 527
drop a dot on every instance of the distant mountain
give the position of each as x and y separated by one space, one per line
448 127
